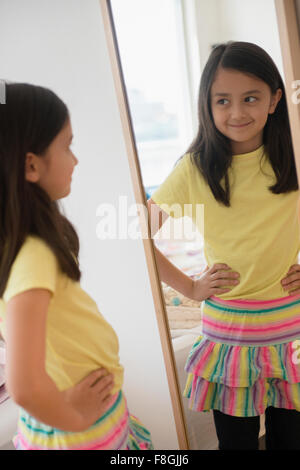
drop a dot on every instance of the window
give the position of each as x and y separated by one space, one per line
152 48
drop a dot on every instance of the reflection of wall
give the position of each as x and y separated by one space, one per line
238 20
61 44
208 26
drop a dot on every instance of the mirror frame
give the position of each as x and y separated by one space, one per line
289 30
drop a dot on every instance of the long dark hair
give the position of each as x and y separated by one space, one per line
211 150
29 121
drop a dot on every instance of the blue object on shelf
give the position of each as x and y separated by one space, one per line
149 190
176 301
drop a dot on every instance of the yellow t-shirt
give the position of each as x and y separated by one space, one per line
258 236
78 338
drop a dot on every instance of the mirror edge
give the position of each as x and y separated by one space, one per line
140 198
290 50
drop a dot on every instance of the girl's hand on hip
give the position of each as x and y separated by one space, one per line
91 397
212 281
292 280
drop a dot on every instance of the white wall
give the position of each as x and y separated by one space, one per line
238 20
60 44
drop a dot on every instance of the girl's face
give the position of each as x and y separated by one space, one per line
53 172
240 106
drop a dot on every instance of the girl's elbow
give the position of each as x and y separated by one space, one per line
18 395
21 393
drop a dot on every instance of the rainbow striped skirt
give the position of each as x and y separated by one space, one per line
248 357
115 430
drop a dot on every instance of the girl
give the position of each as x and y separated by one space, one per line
241 167
62 365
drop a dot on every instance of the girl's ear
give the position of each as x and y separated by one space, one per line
274 100
31 168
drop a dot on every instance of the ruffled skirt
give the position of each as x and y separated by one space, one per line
115 430
248 357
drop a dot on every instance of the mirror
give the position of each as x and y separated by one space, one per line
163 47
61 45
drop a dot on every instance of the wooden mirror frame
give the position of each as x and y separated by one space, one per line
286 12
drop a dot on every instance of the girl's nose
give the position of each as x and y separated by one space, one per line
237 112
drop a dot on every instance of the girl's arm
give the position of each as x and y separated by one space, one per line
172 276
26 379
210 282
169 273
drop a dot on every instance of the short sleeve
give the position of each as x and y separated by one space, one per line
174 194
35 266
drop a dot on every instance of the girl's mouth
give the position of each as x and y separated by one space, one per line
240 125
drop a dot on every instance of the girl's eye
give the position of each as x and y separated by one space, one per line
223 99
251 97
248 97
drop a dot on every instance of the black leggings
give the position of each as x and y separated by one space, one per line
282 430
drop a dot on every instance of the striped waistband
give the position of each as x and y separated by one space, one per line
251 322
109 432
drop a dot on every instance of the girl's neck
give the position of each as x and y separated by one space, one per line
248 146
